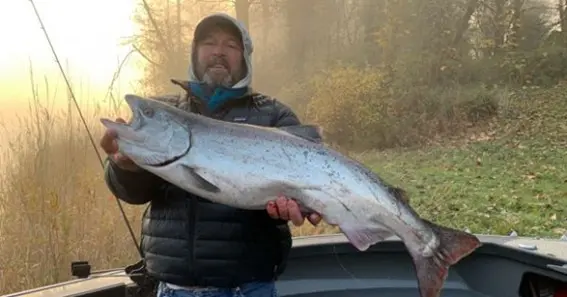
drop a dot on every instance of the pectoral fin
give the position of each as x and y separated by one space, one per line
199 181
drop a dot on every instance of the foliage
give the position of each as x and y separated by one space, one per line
347 104
360 109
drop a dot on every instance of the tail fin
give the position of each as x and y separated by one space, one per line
432 271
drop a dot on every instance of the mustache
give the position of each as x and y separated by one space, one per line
218 61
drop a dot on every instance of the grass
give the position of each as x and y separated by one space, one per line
512 178
486 187
55 207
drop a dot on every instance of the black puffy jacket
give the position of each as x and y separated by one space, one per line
189 241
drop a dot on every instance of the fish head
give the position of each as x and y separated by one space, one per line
156 135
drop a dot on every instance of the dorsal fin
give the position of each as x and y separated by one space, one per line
399 193
307 132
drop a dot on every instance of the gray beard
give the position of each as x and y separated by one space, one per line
225 82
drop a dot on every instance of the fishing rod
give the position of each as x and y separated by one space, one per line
85 124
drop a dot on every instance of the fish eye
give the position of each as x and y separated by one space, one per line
147 111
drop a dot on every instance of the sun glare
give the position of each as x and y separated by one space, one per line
86 36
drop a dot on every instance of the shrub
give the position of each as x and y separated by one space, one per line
360 108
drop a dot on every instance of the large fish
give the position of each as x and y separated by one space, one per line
246 166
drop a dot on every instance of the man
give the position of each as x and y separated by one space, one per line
192 246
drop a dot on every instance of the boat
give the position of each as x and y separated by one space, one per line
328 266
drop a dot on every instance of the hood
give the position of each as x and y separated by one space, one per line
246 42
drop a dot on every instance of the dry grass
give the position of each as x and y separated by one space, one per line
55 207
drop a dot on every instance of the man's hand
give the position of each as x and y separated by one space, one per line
287 209
110 147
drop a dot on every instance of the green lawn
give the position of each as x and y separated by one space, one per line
514 180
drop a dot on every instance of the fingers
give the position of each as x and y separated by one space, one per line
294 213
314 219
272 210
288 209
281 206
108 142
125 162
110 147
120 158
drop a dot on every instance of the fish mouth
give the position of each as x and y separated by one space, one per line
110 124
125 130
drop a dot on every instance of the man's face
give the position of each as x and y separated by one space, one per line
219 59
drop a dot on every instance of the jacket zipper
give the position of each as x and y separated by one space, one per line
191 226
193 203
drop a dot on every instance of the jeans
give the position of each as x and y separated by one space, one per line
253 289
